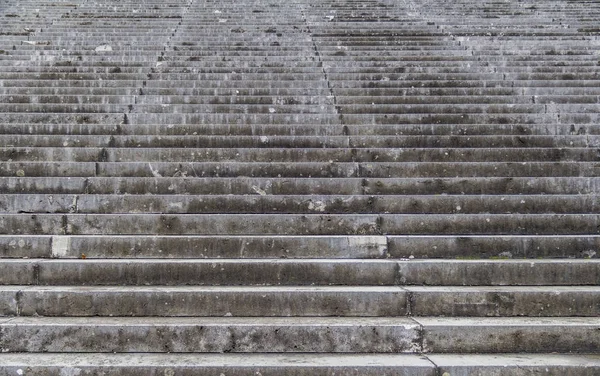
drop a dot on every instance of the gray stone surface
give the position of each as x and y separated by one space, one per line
529 301
299 335
169 159
516 364
226 364
208 301
507 334
217 272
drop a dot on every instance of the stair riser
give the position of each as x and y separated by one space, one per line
499 339
299 272
339 247
219 303
305 204
359 247
187 370
299 186
363 303
201 337
239 155
208 338
300 224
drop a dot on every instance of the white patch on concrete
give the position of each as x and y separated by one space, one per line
70 371
258 190
104 48
176 205
19 371
60 246
317 206
154 172
380 242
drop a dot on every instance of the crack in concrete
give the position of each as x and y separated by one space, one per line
338 109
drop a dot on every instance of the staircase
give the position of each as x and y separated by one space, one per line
342 187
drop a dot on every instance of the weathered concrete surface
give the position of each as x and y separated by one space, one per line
206 301
227 246
261 202
499 272
228 134
301 301
225 364
299 364
505 335
529 301
299 224
18 272
389 335
216 272
516 364
485 247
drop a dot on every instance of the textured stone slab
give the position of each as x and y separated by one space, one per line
216 272
490 224
506 335
18 272
25 246
499 272
226 364
389 335
516 364
226 246
527 246
204 224
261 202
531 301
207 301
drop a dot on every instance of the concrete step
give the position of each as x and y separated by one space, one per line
495 247
506 335
200 272
514 364
299 170
353 301
228 246
294 247
115 125
300 364
300 224
297 186
289 272
261 202
298 155
297 335
181 301
245 365
351 141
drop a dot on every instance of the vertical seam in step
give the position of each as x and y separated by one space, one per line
437 370
159 58
337 108
420 336
18 302
36 273
409 302
386 252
